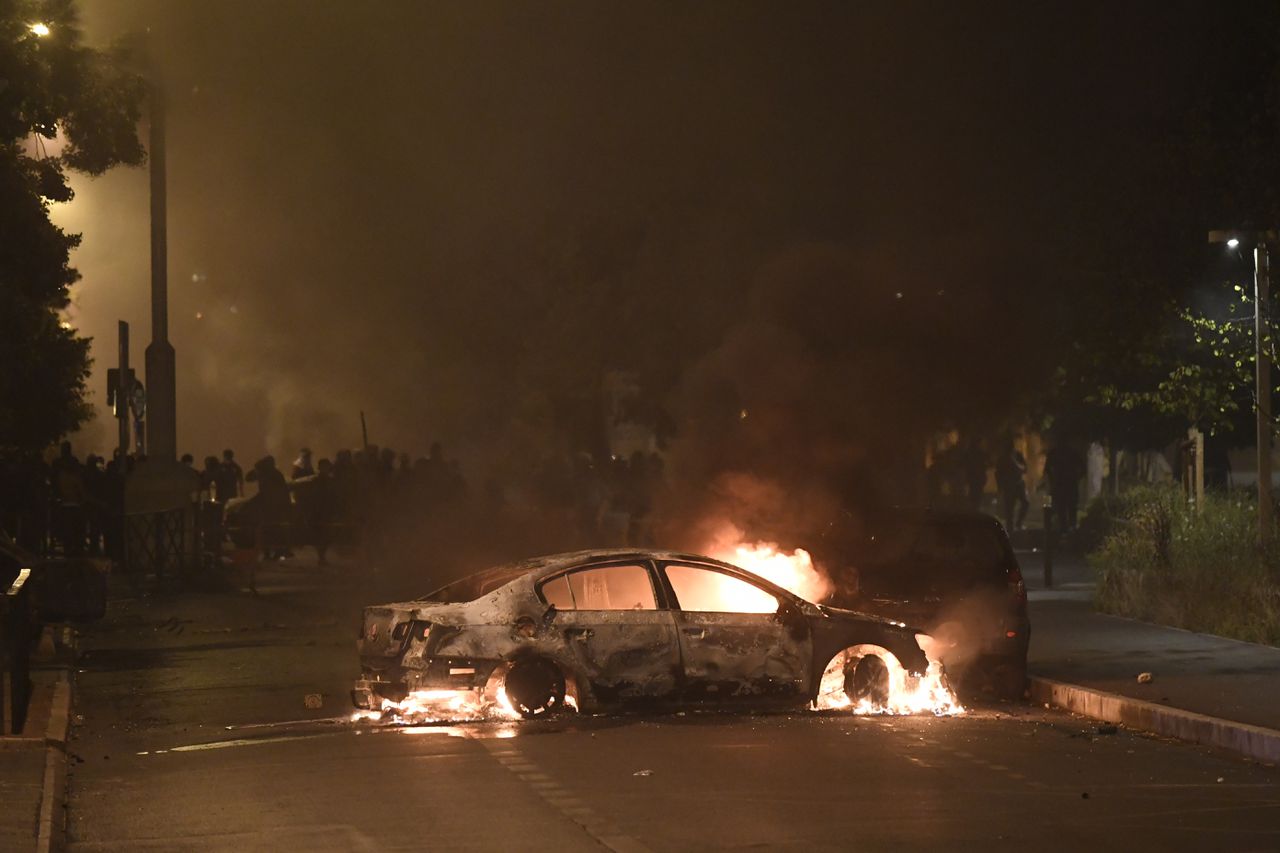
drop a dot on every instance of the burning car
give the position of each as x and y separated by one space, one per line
605 629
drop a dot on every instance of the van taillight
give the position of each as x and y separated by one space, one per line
1017 588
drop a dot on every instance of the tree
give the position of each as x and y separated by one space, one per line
53 91
1149 349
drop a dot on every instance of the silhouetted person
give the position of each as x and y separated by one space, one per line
95 502
345 493
302 466
945 478
273 507
1064 467
230 479
188 461
70 495
975 474
209 479
1011 480
320 508
113 529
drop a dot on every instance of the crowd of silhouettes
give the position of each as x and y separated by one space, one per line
957 479
356 498
388 507
68 505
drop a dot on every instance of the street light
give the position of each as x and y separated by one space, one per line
1262 353
40 29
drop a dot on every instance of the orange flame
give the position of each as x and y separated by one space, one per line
794 571
908 694
443 706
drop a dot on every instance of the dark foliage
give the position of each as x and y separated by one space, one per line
53 91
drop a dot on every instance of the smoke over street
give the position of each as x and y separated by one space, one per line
461 251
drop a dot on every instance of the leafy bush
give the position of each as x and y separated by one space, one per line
1161 561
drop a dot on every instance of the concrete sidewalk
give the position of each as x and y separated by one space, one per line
1192 675
33 768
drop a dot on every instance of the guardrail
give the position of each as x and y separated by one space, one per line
16 621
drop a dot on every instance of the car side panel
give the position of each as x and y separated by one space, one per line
744 656
623 655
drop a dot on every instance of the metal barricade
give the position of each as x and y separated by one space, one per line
15 650
157 543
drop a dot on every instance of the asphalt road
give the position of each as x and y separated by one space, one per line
195 736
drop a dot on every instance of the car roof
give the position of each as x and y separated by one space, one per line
925 513
537 567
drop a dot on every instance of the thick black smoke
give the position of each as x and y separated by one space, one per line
821 400
811 231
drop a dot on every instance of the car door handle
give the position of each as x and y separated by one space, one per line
578 633
696 633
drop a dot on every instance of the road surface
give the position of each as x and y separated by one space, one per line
195 736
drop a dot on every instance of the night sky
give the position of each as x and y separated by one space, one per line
446 214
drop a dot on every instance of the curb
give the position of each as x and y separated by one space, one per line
1255 742
54 790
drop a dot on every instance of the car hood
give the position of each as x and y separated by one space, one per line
843 613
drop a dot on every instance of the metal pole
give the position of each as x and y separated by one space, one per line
124 392
1262 341
1049 512
162 437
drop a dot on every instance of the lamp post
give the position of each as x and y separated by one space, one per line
162 438
1262 361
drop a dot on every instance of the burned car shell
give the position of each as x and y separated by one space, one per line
620 656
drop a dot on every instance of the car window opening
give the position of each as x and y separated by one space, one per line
604 588
704 590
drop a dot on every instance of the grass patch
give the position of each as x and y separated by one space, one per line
1160 561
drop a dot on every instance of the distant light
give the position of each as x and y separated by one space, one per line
898 295
66 326
40 29
742 415
1232 243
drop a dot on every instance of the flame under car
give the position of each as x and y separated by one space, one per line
606 629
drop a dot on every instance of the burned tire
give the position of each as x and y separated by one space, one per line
1009 681
867 679
535 687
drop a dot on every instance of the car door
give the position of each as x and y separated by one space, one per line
615 629
738 640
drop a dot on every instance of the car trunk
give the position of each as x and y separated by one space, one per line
378 636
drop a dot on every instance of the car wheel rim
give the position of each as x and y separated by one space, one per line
535 687
868 680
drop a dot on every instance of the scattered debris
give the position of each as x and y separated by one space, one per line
1145 677
643 773
312 701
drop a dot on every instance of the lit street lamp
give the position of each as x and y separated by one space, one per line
40 29
1262 359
